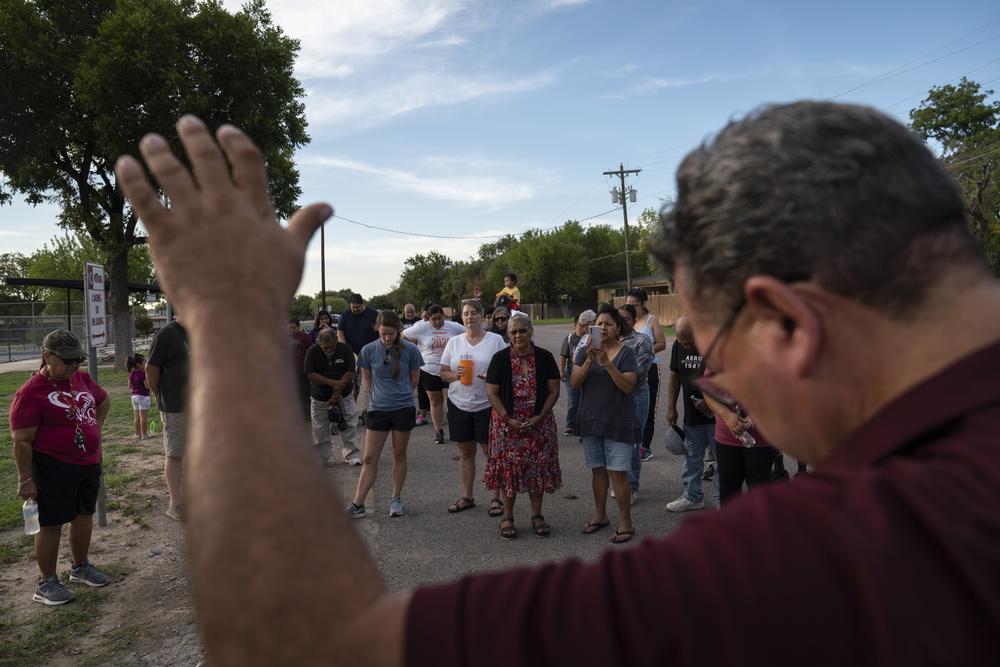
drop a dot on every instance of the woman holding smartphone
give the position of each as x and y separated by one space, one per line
464 362
606 372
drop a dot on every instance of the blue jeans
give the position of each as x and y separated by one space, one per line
641 394
698 438
572 403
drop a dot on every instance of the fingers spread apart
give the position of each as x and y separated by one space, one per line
207 162
133 184
248 168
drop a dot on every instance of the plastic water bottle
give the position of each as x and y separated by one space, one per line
31 525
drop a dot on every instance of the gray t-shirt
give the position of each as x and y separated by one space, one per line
170 354
606 411
388 392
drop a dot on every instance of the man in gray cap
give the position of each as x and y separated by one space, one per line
55 423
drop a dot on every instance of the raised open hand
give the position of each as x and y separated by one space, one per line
219 238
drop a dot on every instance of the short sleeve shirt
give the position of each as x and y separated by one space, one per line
689 366
431 341
568 350
58 409
388 392
604 410
333 366
170 353
471 397
137 383
359 330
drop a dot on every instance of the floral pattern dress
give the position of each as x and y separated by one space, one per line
525 461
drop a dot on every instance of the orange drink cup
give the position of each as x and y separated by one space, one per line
468 372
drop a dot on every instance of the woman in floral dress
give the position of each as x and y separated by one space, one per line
523 384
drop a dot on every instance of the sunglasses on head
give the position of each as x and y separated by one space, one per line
74 360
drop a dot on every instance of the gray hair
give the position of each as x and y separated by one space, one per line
326 334
587 317
838 194
518 316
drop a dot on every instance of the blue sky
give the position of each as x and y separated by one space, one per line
463 118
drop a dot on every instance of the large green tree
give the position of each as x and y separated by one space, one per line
966 125
425 278
83 81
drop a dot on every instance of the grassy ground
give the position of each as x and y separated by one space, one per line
33 639
117 428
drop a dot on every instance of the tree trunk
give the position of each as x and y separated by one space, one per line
121 317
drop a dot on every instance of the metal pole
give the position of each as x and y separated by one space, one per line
322 263
69 317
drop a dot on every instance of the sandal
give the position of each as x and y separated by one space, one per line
496 507
541 528
593 527
461 504
619 534
509 532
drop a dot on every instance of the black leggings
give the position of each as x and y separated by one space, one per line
423 402
653 376
737 464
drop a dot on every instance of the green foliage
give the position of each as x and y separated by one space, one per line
425 277
143 323
967 127
302 307
83 81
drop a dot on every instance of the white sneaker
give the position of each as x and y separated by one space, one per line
634 498
395 506
682 504
612 493
353 460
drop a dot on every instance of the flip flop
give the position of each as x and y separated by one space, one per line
461 505
594 527
496 507
627 534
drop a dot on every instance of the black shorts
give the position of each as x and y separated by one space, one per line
403 419
64 490
468 426
432 382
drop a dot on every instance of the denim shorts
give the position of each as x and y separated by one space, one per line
604 453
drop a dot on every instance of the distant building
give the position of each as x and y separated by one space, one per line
658 284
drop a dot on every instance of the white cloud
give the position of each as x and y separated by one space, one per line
459 187
337 36
565 3
367 107
11 232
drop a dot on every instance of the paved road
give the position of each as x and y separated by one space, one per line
427 544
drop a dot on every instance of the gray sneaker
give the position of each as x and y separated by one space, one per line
88 574
352 459
682 504
395 506
51 592
355 512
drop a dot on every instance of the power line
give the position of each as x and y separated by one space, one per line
957 78
889 75
885 75
482 238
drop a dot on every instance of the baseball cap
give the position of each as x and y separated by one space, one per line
675 440
63 343
356 298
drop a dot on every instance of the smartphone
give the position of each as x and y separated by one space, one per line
595 336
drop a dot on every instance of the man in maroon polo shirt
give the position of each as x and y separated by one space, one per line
822 256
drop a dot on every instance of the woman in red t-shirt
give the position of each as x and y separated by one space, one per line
55 421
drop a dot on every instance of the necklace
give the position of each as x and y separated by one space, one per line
73 412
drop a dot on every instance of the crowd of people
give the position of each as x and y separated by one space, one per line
836 302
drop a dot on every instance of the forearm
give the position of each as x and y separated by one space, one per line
624 383
448 375
579 375
493 393
22 458
673 390
245 527
102 411
153 379
550 402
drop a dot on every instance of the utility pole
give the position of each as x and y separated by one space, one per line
619 197
322 263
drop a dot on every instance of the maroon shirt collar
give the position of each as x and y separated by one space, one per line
966 386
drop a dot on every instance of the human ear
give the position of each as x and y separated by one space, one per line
787 318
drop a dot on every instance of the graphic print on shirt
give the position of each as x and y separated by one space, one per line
80 406
691 362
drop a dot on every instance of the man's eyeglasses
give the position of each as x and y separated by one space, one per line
500 319
723 330
515 332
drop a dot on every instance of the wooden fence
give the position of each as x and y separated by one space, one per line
666 307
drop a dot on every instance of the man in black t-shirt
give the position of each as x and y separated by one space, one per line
357 329
167 377
686 366
329 365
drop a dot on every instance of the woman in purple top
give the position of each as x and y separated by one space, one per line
136 366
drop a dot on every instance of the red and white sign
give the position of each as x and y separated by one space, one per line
93 298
